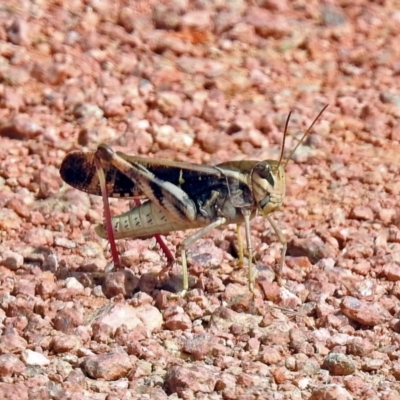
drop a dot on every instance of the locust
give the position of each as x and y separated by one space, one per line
178 196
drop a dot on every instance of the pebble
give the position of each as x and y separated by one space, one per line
362 213
11 391
84 110
176 319
12 260
120 283
200 346
169 103
167 138
110 366
145 315
198 378
333 16
165 18
270 355
267 24
391 272
49 182
67 320
34 358
370 364
12 343
313 248
113 107
10 364
65 344
198 20
73 283
339 364
366 314
18 32
330 392
360 347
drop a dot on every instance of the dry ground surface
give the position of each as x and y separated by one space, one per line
204 82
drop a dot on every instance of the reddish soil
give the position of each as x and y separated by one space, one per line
202 82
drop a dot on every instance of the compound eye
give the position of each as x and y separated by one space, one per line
264 172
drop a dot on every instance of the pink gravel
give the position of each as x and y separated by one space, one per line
202 82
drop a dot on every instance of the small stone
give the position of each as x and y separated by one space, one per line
177 319
169 103
102 333
330 392
73 283
65 344
20 207
205 253
267 24
371 364
46 287
195 377
198 20
390 98
194 310
86 109
49 182
39 237
223 318
113 107
146 315
34 358
18 32
67 320
167 138
313 248
391 272
225 20
13 391
387 215
339 364
141 369
396 369
76 376
12 343
356 385
12 260
274 5
287 299
393 187
270 355
10 365
199 346
110 366
164 18
366 314
359 347
120 282
26 128
279 374
362 213
333 16
64 242
25 287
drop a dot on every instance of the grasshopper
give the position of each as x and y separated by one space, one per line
181 196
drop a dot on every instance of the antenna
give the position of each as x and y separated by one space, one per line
302 138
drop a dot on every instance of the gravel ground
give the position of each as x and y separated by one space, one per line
205 82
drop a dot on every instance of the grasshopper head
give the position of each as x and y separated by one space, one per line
268 177
268 185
